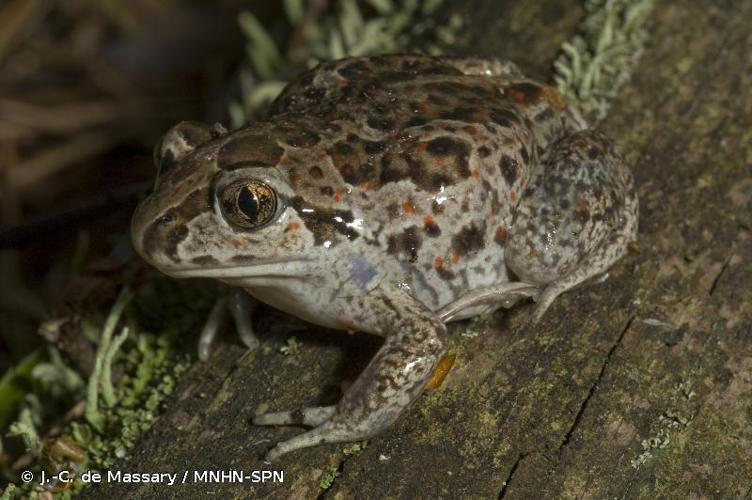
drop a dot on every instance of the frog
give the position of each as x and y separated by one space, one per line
390 195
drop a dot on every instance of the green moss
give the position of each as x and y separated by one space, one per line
599 60
148 365
355 448
328 477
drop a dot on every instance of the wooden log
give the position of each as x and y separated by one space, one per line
639 386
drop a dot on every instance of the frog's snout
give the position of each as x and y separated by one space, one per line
156 239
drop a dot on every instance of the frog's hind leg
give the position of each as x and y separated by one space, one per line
416 339
575 219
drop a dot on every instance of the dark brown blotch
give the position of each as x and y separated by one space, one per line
431 229
507 118
323 222
508 167
303 139
175 236
205 260
167 232
381 123
437 208
469 239
316 172
408 243
249 147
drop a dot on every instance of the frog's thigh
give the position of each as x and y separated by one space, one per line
415 341
577 218
486 67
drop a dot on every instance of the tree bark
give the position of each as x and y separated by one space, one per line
639 386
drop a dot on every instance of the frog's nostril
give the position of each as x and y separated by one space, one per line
166 219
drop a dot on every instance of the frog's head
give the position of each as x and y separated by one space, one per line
222 207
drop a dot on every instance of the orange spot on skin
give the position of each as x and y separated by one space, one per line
438 263
293 226
295 177
235 242
338 192
455 258
513 196
408 208
440 372
343 82
581 205
519 95
475 173
501 234
554 98
428 219
422 146
471 130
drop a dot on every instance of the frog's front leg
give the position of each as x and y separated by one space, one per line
575 218
415 341
240 306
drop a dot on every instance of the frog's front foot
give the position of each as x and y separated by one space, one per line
240 306
395 377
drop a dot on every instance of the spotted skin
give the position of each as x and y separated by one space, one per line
408 191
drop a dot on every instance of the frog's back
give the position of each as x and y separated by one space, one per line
427 159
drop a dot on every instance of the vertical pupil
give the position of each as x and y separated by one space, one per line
247 203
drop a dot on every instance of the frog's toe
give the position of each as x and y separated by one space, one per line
330 431
544 300
306 416
215 321
242 306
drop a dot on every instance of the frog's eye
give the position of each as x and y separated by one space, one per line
248 203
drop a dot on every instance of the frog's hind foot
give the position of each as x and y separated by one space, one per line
594 264
240 306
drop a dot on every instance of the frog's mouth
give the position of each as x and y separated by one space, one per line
262 269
